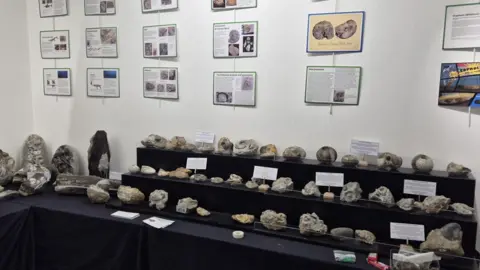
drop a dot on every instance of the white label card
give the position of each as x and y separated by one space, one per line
421 188
158 223
367 148
404 231
204 137
265 173
197 163
329 179
125 215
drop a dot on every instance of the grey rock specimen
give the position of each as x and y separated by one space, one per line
188 147
65 160
203 212
435 204
34 153
294 153
263 188
134 169
36 178
462 209
389 162
311 224
251 184
176 143
382 195
326 155
158 198
234 180
206 148
77 180
129 195
351 192
245 148
104 184
147 170
365 236
7 194
70 190
448 239
244 218
282 185
350 161
99 155
268 151
216 180
422 164
180 173
311 189
115 183
186 205
198 177
225 146
155 141
457 170
7 167
273 220
342 233
97 194
406 204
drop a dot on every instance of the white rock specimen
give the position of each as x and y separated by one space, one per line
268 151
155 141
435 204
462 209
162 172
282 185
273 220
351 192
202 212
147 170
350 161
176 143
294 153
7 167
134 169
422 164
244 218
234 180
198 178
327 155
7 194
383 196
186 205
251 184
448 239
97 194
104 184
225 146
457 170
406 204
342 233
245 148
311 189
158 198
99 155
36 178
263 188
65 160
129 195
365 236
216 180
389 162
311 224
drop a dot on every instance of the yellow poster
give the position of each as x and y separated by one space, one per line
335 32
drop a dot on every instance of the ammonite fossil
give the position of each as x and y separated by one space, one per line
323 29
234 36
346 30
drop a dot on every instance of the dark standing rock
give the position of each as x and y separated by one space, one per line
7 167
65 160
326 155
99 155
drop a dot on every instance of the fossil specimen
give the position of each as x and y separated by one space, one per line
97 195
311 189
251 184
186 205
406 204
234 180
216 180
454 169
326 155
268 151
129 195
350 161
198 177
346 30
99 155
422 164
206 148
342 233
158 198
311 224
181 173
294 153
244 218
435 204
263 188
7 166
176 143
322 30
351 192
388 161
34 153
282 185
134 169
155 141
383 196
225 146
273 220
202 212
365 236
233 36
65 160
462 209
147 170
245 148
448 239
37 177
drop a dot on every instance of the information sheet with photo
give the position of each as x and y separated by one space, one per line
52 8
101 42
157 5
235 39
57 82
160 82
333 85
55 44
234 88
103 82
160 41
462 26
100 7
232 4
459 84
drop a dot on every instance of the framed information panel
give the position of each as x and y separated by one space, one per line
100 7
233 4
52 8
101 42
103 82
158 5
462 27
160 41
57 82
55 44
160 82
235 39
234 88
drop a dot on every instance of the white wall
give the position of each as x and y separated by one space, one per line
15 94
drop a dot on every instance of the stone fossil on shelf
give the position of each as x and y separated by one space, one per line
186 205
350 161
176 143
189 147
134 169
328 196
382 195
365 236
65 160
457 170
155 141
263 188
326 155
34 153
406 204
37 177
77 180
251 184
158 198
268 151
311 224
97 195
163 173
104 184
147 170
448 239
198 177
342 233
351 192
7 194
216 180
206 148
462 209
225 146
311 189
99 155
180 173
234 180
245 148
244 218
273 220
389 162
202 212
294 153
422 164
282 185
435 204
129 195
7 167
70 190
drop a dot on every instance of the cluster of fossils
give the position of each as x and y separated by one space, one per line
325 30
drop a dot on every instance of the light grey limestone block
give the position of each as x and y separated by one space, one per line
158 198
186 205
282 185
97 195
311 224
129 195
351 192
273 220
311 189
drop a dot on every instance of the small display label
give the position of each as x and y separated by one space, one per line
197 163
265 173
421 188
405 231
204 137
329 179
368 148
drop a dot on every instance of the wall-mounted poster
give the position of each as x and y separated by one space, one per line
459 84
160 41
103 82
333 85
100 7
52 8
234 88
101 42
160 82
233 4
57 82
55 44
462 26
335 32
235 39
158 5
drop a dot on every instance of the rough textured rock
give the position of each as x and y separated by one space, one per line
273 220
245 148
99 155
351 192
225 146
422 164
202 212
282 185
294 153
234 180
65 160
311 189
134 169
158 198
71 190
162 172
389 162
448 239
342 233
186 205
346 29
7 167
244 218
462 209
251 184
323 30
77 180
435 204
198 177
326 155
129 195
147 170
180 173
104 184
382 195
216 180
176 143
188 147
311 224
97 194
155 141
363 163
365 236
406 204
34 154
263 188
36 178
268 151
7 194
2 188
206 148
457 170
350 161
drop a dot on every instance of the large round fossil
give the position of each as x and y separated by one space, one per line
234 36
346 29
323 29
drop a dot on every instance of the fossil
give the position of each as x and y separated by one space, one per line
225 146
97 195
176 143
350 161
326 155
351 192
273 220
244 218
158 198
147 170
7 167
311 224
216 180
186 205
388 161
268 151
422 163
134 169
129 195
448 239
65 160
323 30
406 204
346 29
198 177
435 204
245 148
462 209
202 212
282 185
155 141
311 189
294 153
342 233
458 170
234 180
365 236
383 196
